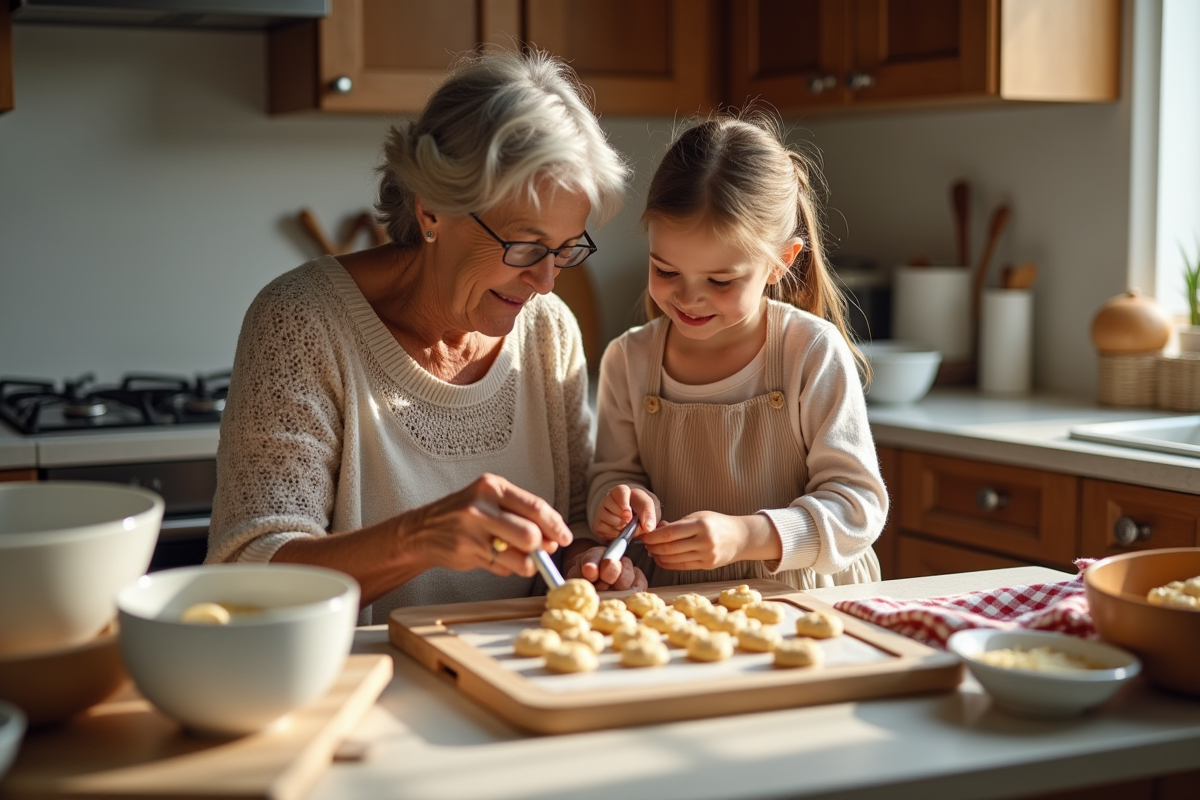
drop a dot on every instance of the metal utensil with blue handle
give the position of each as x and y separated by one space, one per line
616 547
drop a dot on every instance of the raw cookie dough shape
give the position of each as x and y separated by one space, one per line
819 625
614 604
716 646
688 602
681 635
738 596
536 641
798 653
559 619
765 611
711 617
572 657
609 619
644 653
593 639
663 619
575 594
759 640
630 633
642 603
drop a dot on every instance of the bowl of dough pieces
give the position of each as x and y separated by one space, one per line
1149 602
1043 674
229 649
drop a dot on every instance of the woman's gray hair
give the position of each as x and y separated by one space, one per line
499 124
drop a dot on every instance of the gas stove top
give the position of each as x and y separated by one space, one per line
38 406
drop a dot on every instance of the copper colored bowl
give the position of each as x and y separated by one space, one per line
1166 639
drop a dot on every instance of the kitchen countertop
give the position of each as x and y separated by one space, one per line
113 446
425 740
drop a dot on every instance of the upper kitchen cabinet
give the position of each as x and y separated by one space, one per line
639 56
6 59
812 54
382 56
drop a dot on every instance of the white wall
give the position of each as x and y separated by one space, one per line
145 196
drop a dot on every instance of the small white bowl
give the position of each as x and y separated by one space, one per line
12 728
900 372
238 678
1046 695
66 547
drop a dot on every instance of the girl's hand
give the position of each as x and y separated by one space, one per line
619 506
584 562
458 531
707 540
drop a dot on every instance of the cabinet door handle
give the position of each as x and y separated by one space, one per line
1127 532
818 84
342 84
859 80
988 499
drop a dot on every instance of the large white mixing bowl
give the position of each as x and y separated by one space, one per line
901 372
65 549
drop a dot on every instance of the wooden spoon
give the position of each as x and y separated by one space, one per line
960 197
999 222
1022 277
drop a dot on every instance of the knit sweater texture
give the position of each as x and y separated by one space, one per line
331 426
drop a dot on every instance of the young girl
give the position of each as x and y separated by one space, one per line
733 423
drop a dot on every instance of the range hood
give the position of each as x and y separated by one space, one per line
215 14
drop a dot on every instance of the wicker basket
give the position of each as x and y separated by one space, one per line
1179 382
1129 380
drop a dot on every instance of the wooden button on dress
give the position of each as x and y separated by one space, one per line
775 398
651 404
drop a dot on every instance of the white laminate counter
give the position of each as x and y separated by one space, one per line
427 742
1029 432
112 446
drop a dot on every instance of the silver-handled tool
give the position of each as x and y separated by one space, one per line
616 547
546 568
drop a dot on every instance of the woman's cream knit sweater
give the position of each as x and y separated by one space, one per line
331 426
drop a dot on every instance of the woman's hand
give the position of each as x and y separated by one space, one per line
581 561
457 532
707 540
619 506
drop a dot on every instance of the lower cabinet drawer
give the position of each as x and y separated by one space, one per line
1026 513
918 558
1119 517
18 475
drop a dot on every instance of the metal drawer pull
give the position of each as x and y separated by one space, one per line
988 499
857 81
1128 532
342 84
821 83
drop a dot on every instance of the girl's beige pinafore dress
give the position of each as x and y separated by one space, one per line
733 459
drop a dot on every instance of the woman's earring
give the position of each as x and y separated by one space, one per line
430 236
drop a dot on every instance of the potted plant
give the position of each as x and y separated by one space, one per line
1189 337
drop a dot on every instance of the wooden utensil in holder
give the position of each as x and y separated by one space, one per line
363 222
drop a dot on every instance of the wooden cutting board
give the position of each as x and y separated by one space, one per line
125 748
470 644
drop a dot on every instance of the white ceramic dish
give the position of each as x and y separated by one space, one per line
234 679
1046 695
901 372
65 549
12 728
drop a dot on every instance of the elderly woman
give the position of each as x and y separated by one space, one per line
415 414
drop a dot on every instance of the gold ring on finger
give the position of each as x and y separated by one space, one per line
498 545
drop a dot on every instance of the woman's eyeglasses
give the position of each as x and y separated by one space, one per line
526 254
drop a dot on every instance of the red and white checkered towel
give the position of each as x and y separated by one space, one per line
1060 607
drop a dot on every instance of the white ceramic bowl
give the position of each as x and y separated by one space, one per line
234 679
12 728
65 549
1048 695
901 372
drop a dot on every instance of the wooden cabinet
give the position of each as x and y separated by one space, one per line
18 475
917 557
386 56
867 53
1118 518
6 60
885 545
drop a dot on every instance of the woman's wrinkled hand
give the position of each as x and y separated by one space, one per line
619 576
491 524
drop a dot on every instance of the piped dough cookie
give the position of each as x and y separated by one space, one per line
711 617
644 653
609 619
798 653
759 640
575 594
593 639
642 603
819 625
663 619
688 602
716 646
681 635
559 619
738 596
613 604
536 641
634 633
765 611
572 657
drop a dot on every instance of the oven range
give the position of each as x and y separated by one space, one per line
151 430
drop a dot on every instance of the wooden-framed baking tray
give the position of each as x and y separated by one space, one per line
469 644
